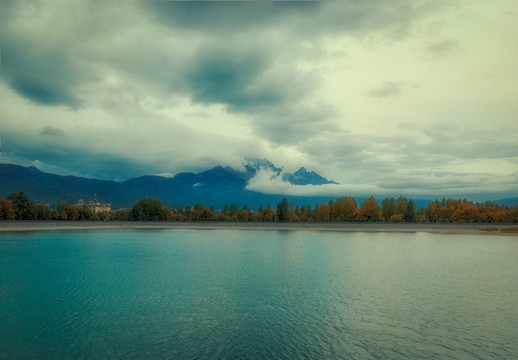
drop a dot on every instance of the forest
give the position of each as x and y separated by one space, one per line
344 209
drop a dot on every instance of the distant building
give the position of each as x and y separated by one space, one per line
94 206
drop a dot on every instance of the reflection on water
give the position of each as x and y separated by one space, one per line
257 294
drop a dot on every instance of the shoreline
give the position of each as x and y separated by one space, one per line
447 228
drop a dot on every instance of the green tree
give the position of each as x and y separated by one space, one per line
24 208
42 212
233 210
282 210
410 212
148 209
119 215
388 208
85 213
225 210
401 205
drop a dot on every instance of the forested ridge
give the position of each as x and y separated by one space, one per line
344 209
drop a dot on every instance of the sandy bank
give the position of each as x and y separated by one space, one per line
486 229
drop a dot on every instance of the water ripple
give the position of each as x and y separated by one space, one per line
240 295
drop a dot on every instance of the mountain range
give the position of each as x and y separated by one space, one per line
217 186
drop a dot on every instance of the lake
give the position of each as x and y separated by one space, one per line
195 294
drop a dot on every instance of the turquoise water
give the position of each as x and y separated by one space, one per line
194 294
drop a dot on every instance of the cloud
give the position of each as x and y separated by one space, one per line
298 18
269 182
230 76
443 48
454 185
388 89
159 86
224 16
42 74
426 186
52 131
248 55
166 175
67 159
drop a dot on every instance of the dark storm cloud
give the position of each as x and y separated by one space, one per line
42 73
229 16
301 18
66 159
260 73
247 40
31 64
248 60
42 91
229 76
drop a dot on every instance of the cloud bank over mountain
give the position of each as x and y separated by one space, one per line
401 95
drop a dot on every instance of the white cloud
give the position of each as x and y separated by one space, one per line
266 181
166 175
429 186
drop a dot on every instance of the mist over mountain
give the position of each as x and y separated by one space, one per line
217 186
300 177
303 177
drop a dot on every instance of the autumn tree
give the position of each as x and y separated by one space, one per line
370 210
490 212
344 209
323 213
303 212
269 214
464 212
244 214
6 210
201 213
396 218
432 213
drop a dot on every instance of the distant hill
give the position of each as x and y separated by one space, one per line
217 186
511 202
50 188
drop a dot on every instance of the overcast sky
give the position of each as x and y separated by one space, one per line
386 97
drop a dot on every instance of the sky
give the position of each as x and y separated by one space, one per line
401 97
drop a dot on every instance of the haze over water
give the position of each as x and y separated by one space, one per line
159 294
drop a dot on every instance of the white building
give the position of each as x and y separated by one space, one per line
94 206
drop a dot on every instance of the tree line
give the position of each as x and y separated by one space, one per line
344 209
